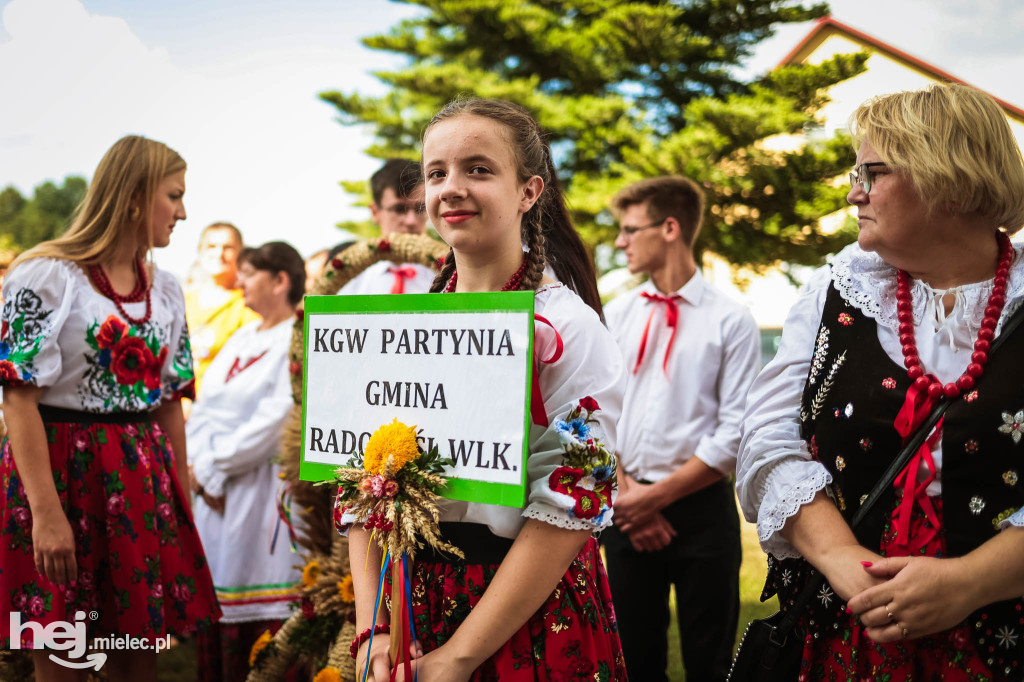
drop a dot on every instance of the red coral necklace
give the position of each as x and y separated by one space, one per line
994 308
512 284
139 293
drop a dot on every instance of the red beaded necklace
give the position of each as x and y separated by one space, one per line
994 308
512 284
139 293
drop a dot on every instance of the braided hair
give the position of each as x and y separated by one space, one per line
547 230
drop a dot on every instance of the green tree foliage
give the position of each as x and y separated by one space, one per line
26 222
632 89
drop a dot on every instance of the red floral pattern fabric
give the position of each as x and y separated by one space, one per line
572 637
847 653
141 566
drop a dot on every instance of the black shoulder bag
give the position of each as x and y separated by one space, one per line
768 650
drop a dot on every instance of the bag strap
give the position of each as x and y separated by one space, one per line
788 621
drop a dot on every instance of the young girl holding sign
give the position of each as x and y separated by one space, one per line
531 600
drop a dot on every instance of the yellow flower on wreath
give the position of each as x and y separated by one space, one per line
310 573
329 674
260 644
394 439
345 589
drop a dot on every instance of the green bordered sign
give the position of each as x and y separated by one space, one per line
457 366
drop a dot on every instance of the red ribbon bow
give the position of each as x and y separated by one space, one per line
401 274
671 319
916 408
540 417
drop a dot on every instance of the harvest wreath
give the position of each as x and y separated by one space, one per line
324 639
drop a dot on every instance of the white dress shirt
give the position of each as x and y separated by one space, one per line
775 474
693 406
379 279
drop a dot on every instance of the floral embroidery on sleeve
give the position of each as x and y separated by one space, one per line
125 369
23 330
588 476
182 380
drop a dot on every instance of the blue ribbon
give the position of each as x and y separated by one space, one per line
376 605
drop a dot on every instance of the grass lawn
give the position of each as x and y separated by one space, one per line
179 664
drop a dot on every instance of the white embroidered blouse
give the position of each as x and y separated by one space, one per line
775 473
62 335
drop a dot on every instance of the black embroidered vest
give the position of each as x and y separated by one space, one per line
851 398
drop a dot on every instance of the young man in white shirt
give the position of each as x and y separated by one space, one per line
693 353
397 208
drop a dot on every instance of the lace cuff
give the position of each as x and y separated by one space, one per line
791 484
1015 519
557 517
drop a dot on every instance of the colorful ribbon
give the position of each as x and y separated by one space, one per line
284 515
408 633
916 408
537 412
671 319
401 274
385 564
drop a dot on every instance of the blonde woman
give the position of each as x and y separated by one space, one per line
928 587
94 361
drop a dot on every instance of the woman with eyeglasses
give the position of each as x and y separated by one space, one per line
929 585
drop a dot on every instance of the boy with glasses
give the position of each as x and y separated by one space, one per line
693 353
397 208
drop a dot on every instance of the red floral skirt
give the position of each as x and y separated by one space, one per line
573 636
847 653
141 567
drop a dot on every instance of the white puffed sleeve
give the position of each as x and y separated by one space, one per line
571 467
775 474
177 376
38 296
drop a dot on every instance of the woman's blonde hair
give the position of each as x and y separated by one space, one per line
121 193
955 145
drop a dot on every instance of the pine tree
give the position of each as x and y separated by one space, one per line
26 222
628 90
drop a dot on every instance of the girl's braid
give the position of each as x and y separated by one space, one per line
447 270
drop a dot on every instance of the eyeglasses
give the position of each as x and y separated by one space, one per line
863 175
626 231
401 209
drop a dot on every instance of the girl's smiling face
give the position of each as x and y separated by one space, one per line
474 196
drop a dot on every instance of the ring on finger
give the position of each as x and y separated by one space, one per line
905 631
889 613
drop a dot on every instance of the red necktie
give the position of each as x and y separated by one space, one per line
671 319
401 274
237 367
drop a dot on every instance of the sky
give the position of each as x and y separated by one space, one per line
232 85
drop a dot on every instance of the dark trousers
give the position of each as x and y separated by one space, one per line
703 563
